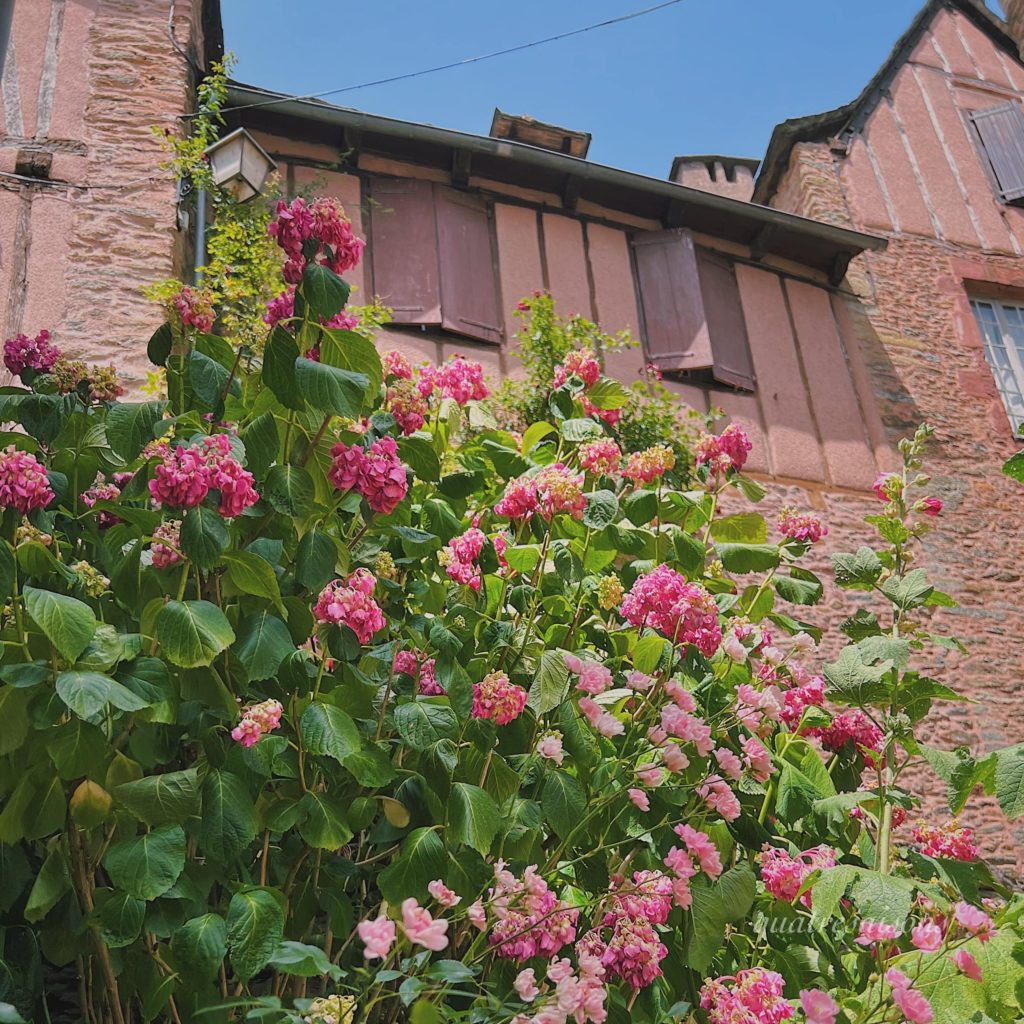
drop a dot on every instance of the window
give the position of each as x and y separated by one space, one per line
690 305
1000 132
432 257
1002 332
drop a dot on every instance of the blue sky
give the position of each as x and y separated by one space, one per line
704 76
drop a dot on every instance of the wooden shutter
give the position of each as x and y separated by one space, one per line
726 326
469 294
403 249
1001 131
675 329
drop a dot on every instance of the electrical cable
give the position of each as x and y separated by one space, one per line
455 64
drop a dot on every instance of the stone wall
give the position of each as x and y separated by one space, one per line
84 83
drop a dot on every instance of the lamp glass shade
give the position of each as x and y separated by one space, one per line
239 164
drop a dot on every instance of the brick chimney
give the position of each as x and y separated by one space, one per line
1015 20
523 128
731 176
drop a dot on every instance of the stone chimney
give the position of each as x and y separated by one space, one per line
731 176
523 128
1015 20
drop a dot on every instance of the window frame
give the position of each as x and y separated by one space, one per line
1014 353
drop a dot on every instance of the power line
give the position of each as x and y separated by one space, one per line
454 64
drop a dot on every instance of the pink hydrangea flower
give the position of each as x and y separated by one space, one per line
549 747
458 379
283 308
422 929
946 840
529 919
580 363
102 490
682 611
257 720
797 698
396 365
187 475
967 964
519 502
350 603
647 466
754 996
195 308
378 936
383 481
784 876
801 526
443 894
323 220
559 490
757 759
460 555
526 985
633 952
495 697
602 458
346 466
819 1006
411 663
873 932
728 450
701 847
851 726
718 796
24 485
729 763
24 353
407 405
169 553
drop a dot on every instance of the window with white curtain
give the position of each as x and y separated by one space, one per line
1002 331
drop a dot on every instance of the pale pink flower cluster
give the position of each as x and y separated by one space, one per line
378 936
396 365
679 721
698 853
594 678
24 353
283 308
719 797
459 379
784 875
576 997
530 920
445 896
553 490
549 746
324 221
257 719
974 920
579 363
926 936
632 952
914 1006
602 458
421 928
24 485
948 840
604 722
407 405
647 466
801 526
164 555
729 450
757 759
819 1006
410 663
682 611
873 933
754 996
195 308
497 698
350 603
378 474
797 698
187 475
460 555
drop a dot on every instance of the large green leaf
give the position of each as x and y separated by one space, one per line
192 633
130 426
204 536
741 528
279 356
88 693
251 574
228 821
351 351
52 882
853 679
200 945
167 799
473 817
857 572
322 291
420 861
315 559
563 801
714 906
120 918
1010 781
263 643
331 389
68 624
289 489
323 826
304 961
148 865
550 684
743 558
255 927
602 509
422 723
327 730
261 444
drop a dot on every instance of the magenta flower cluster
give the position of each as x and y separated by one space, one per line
24 485
324 222
530 920
551 491
728 450
24 353
754 995
195 308
257 720
497 698
459 379
187 475
350 603
682 611
783 875
377 473
460 556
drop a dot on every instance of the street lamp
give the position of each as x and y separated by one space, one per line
240 166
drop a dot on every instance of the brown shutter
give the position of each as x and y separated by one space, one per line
469 294
675 331
726 326
403 249
1001 131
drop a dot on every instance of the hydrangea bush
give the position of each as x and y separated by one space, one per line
324 700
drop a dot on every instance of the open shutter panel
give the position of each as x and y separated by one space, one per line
1001 130
726 326
675 329
403 250
469 295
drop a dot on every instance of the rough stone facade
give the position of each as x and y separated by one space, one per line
86 215
913 171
